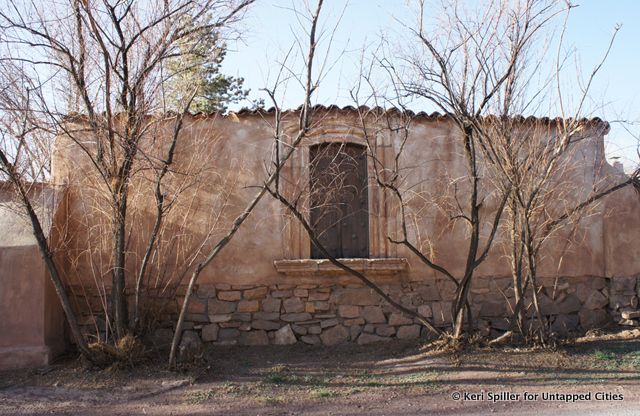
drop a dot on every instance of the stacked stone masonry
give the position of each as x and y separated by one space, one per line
333 314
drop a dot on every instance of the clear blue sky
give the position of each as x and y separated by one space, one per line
270 27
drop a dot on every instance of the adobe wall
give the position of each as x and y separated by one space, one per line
32 324
248 296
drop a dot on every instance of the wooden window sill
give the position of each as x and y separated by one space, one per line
386 266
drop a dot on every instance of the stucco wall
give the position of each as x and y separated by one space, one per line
32 324
235 152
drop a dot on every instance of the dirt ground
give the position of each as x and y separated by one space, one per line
378 379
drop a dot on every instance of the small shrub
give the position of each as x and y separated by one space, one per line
278 378
126 353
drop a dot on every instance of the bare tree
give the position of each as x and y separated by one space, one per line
279 161
468 75
539 161
110 57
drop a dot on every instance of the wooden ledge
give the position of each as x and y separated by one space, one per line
387 266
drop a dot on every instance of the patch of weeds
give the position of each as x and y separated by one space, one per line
414 380
274 400
369 380
607 359
236 389
351 390
604 355
280 374
635 360
279 378
323 393
199 397
279 368
312 380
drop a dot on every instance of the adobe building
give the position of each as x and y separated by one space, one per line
270 285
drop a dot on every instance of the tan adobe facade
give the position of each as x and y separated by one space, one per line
264 287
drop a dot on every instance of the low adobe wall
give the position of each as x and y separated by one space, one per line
31 319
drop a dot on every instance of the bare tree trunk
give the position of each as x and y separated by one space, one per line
118 294
516 268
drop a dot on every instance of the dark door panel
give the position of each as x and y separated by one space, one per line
339 199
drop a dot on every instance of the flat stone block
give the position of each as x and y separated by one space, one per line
299 329
248 306
301 293
349 311
285 336
385 330
328 323
231 295
315 330
196 306
271 305
396 319
311 339
257 293
408 332
373 315
596 300
281 293
425 311
206 292
267 316
268 325
293 305
355 321
593 318
318 296
335 335
220 317
210 332
221 307
296 317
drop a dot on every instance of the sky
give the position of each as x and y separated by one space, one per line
270 27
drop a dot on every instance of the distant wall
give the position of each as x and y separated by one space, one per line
31 319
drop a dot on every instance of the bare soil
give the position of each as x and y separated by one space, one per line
378 379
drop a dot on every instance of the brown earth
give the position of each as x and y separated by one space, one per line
378 379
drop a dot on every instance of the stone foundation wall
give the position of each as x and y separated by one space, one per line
330 314
623 300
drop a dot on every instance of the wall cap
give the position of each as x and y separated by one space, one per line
385 266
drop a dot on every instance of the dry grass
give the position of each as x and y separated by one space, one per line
126 353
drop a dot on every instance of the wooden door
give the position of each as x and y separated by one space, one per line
339 200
